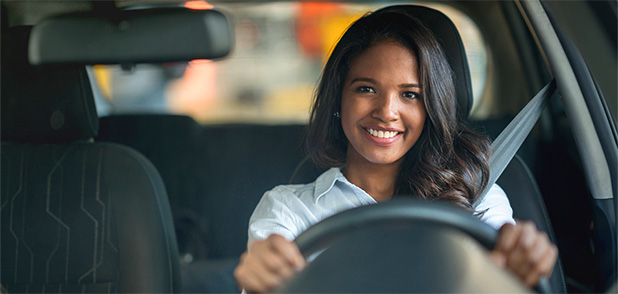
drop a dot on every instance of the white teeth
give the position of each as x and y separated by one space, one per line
382 134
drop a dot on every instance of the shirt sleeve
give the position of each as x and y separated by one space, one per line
495 208
273 215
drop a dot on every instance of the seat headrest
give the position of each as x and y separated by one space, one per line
50 104
447 35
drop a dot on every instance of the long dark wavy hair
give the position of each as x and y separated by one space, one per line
449 161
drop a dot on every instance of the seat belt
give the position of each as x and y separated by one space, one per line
503 149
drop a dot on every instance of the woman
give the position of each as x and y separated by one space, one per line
384 119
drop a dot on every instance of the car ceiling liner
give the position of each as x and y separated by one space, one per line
128 37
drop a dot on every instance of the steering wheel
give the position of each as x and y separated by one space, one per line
318 236
436 236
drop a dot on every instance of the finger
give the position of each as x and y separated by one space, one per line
258 265
245 279
264 279
264 254
275 263
507 238
548 262
527 236
517 258
272 260
535 254
239 271
252 285
268 282
532 279
540 248
243 256
532 272
543 268
289 251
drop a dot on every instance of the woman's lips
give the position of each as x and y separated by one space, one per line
382 137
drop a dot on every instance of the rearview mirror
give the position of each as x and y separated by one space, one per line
131 36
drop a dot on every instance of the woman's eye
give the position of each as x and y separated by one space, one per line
365 89
410 95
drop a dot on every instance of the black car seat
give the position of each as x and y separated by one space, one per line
517 180
174 155
76 215
210 172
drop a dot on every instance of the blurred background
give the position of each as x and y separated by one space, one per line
270 76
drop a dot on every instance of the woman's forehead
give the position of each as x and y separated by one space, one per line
385 60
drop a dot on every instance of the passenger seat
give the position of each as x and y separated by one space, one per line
77 216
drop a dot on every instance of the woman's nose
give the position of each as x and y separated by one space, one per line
386 107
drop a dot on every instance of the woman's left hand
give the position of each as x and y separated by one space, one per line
525 251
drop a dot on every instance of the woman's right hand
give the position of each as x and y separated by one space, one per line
267 264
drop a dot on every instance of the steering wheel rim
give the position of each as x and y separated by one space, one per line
324 233
321 234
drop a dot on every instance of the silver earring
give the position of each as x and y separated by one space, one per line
337 114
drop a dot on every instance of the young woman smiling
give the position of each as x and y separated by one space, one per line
385 120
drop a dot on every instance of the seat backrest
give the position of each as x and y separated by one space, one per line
174 155
215 175
76 216
212 171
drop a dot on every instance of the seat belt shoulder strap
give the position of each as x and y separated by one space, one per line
505 146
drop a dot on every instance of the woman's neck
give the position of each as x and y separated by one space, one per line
378 180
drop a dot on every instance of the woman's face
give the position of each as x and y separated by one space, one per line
382 113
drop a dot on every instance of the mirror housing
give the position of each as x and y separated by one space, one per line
131 36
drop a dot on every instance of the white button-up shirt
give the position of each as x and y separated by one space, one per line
289 210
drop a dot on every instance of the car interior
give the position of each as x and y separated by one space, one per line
160 202
118 238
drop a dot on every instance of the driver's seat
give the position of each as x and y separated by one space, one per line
517 180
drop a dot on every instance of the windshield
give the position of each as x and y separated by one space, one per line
268 78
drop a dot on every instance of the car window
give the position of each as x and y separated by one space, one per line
271 74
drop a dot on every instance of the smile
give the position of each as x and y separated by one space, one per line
381 134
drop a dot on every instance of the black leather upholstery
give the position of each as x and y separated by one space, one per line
29 118
213 171
170 143
84 217
215 175
76 216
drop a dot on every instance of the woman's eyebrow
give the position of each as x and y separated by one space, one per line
410 86
369 80
363 80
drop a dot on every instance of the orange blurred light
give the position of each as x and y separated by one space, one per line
309 21
199 61
198 5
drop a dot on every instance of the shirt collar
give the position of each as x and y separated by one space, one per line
326 181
